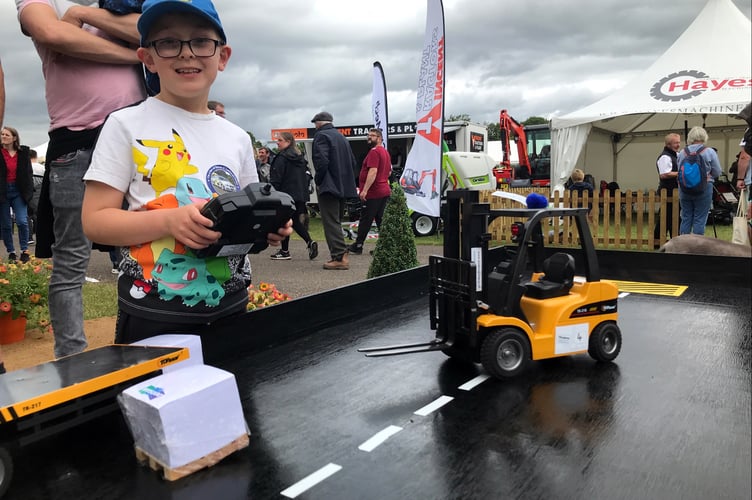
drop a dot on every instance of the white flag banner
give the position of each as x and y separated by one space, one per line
378 101
421 179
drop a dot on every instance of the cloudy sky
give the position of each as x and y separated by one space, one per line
293 58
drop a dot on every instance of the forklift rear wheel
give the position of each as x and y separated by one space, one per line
6 470
424 225
505 352
605 342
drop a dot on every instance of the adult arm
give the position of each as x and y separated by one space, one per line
715 165
370 178
665 167
119 26
321 152
41 23
277 171
742 166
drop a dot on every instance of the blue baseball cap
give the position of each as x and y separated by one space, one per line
152 10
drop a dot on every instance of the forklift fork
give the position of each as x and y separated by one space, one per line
453 308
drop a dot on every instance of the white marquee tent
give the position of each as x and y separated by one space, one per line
704 78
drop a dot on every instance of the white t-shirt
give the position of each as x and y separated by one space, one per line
162 156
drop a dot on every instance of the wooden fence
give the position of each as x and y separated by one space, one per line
623 221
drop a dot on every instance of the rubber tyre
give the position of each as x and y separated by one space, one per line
6 470
505 353
605 342
424 225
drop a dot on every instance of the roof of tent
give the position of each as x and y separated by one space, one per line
707 71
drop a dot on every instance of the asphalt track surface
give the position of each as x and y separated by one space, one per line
670 418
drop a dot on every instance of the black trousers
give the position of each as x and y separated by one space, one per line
299 225
669 223
372 210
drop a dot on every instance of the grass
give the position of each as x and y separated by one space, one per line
100 300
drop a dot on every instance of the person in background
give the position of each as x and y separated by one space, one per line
90 69
334 165
164 286
2 117
38 171
16 191
668 171
289 175
2 94
579 186
374 190
263 163
744 169
695 207
217 107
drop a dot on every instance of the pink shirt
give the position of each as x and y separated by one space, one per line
80 94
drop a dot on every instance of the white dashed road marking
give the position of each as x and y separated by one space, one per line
379 438
471 384
310 481
432 407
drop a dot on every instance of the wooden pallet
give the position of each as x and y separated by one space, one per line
171 474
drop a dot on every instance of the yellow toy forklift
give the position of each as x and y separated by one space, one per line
507 306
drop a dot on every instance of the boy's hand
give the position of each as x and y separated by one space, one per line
274 239
189 227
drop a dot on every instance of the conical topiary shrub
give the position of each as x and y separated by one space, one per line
395 248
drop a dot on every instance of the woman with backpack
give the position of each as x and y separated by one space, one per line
699 167
289 173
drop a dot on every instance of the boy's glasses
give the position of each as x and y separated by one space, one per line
171 47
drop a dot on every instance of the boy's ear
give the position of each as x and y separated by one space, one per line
146 57
224 55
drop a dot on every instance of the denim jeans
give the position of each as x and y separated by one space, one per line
70 252
694 210
15 201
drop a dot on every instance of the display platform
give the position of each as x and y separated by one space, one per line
668 419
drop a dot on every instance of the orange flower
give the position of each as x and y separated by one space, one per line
5 307
35 298
264 286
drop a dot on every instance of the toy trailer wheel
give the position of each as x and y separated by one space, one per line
505 352
605 342
6 470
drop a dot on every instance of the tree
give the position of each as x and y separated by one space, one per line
535 120
256 144
459 118
395 249
494 131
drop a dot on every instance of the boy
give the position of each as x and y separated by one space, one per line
166 157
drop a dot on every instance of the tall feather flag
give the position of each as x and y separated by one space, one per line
378 101
421 179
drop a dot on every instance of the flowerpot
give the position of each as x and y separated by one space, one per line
12 330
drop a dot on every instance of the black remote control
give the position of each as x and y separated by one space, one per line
245 217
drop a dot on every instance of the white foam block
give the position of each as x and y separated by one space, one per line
181 416
192 342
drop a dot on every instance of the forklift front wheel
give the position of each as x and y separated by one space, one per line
505 352
6 470
605 342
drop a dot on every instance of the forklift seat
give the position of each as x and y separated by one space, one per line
557 280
